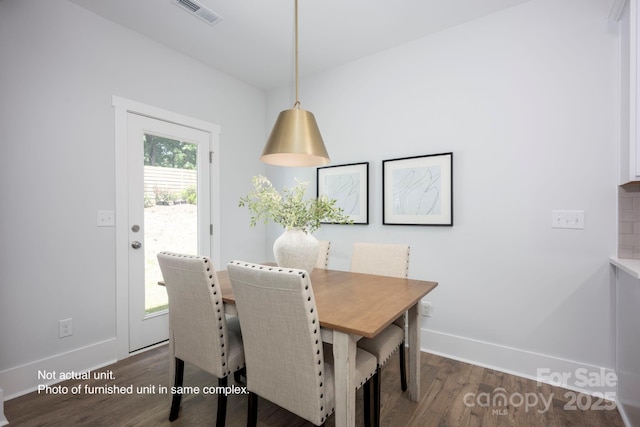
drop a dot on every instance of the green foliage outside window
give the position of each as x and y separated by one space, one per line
190 195
169 153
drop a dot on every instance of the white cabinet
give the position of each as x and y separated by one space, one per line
629 45
628 339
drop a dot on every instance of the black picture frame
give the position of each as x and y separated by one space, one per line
348 184
418 190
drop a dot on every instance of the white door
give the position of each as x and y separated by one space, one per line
169 209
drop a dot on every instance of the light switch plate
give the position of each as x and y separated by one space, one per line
567 219
106 219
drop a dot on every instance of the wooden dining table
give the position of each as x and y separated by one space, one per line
354 305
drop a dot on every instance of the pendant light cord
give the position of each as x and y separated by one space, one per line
297 104
295 139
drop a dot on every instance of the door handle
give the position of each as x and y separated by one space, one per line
136 245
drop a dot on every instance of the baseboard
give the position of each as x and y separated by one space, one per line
569 374
623 415
3 419
24 379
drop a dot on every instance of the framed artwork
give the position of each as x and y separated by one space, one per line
349 186
418 190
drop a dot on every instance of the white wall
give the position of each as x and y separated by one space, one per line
527 101
59 67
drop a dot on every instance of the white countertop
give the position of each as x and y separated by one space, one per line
630 266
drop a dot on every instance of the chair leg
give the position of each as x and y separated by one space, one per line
222 403
403 368
175 402
252 413
366 391
377 378
237 375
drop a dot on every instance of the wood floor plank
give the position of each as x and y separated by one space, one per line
453 394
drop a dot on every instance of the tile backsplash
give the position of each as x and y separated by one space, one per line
629 221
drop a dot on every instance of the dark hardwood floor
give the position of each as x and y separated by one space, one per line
453 394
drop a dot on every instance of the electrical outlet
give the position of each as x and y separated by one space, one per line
65 328
426 308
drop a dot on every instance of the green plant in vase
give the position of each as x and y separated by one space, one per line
300 217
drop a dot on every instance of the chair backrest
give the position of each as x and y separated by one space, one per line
383 259
281 336
323 254
197 325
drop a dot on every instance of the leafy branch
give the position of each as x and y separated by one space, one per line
290 209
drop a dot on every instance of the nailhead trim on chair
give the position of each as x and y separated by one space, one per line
319 353
382 363
314 320
215 293
217 302
406 274
202 267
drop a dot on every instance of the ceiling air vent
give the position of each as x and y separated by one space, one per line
200 11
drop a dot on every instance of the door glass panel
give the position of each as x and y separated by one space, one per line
170 208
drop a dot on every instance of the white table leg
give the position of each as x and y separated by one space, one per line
344 357
414 352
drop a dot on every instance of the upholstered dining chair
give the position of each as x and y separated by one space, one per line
383 260
199 332
285 356
323 254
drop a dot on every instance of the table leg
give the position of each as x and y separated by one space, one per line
344 356
414 352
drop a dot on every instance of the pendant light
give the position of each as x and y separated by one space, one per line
295 139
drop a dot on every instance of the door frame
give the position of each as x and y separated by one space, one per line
123 107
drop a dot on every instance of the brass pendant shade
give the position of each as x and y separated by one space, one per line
295 139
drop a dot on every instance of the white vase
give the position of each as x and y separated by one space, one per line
296 249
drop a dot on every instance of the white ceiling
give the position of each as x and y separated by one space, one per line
254 41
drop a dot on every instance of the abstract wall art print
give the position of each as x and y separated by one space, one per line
418 190
349 186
